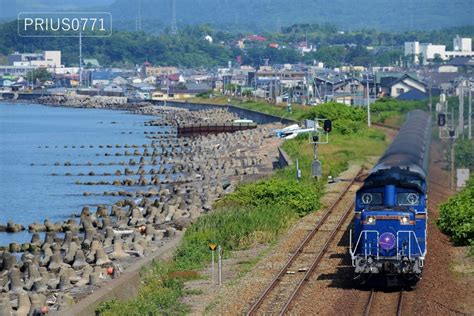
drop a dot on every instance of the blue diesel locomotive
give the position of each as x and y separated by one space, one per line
391 214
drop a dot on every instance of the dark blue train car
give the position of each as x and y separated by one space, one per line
391 214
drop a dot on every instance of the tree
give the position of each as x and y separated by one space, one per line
437 60
40 75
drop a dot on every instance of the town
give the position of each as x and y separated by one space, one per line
431 70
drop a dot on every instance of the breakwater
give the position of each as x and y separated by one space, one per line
151 187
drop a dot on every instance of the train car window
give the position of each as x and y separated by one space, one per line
408 198
372 198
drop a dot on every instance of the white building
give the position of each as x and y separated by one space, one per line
462 44
428 51
47 59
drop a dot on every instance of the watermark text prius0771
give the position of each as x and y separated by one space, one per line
64 24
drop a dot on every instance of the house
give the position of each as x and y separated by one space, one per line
159 71
102 78
189 90
119 80
91 63
384 79
113 90
150 80
140 90
405 84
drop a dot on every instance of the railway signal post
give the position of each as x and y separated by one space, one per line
319 137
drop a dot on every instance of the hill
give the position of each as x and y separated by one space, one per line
271 15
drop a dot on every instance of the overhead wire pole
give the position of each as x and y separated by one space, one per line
470 113
369 123
174 25
80 56
139 20
461 109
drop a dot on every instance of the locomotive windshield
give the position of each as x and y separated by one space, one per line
409 198
371 198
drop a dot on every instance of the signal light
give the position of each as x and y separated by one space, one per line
441 119
327 126
315 138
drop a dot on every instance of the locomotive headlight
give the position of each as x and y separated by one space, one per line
370 220
405 220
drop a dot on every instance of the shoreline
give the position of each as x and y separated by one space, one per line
98 240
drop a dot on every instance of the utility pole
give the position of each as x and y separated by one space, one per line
139 19
80 56
431 98
174 25
461 109
369 123
470 113
453 136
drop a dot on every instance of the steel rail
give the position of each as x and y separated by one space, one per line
369 302
300 248
318 259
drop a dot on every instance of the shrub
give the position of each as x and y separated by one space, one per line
276 191
397 106
346 119
457 216
464 151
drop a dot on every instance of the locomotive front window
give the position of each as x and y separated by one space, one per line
408 198
371 198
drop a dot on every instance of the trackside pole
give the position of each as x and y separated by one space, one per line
219 254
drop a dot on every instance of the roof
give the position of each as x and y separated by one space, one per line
198 86
143 86
103 75
461 61
438 78
392 74
92 61
412 95
403 78
256 38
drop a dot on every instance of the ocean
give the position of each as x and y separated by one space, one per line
36 141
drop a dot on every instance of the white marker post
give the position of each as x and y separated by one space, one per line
219 253
213 247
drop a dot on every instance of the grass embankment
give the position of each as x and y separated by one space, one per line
393 112
256 213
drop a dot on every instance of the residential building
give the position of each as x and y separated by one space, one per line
405 84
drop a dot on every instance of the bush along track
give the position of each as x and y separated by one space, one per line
457 216
256 212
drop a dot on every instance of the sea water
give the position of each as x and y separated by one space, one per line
35 138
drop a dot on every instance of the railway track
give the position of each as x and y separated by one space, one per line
285 287
389 303
396 128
